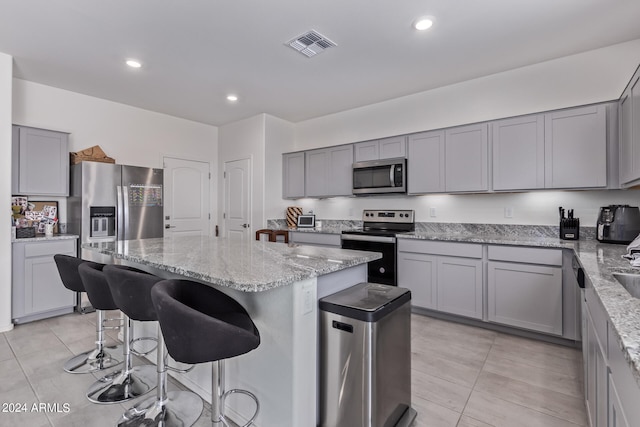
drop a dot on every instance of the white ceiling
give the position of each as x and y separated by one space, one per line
195 52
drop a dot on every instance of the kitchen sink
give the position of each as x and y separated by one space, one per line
631 282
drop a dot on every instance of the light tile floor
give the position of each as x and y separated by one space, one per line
461 376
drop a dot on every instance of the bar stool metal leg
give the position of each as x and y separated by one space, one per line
126 384
167 409
95 359
219 396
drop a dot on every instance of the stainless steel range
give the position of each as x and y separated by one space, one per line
378 234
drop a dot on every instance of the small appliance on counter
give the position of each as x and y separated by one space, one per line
569 226
618 224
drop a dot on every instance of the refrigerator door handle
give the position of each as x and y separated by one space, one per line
119 213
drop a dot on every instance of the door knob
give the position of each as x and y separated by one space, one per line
167 226
245 225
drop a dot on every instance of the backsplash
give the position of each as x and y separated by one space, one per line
334 225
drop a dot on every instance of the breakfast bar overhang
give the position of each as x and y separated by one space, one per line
279 285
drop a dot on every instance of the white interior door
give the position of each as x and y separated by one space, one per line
186 194
237 199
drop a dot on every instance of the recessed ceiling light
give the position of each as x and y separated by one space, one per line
133 63
423 23
232 98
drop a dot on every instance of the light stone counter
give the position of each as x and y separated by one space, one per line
279 285
245 266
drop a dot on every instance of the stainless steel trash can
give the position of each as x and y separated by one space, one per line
365 348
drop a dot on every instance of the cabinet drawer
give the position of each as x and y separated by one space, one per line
526 255
34 249
466 250
324 239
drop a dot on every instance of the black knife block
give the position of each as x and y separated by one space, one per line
570 228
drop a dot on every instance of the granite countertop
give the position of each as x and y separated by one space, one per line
43 238
251 266
599 261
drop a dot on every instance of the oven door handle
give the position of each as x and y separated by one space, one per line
368 238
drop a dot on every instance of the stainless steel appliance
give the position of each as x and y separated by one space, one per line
380 176
378 234
618 224
111 202
365 345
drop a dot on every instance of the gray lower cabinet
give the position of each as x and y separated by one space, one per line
293 175
442 276
459 286
315 239
328 171
610 388
37 291
417 272
466 158
576 148
40 162
524 288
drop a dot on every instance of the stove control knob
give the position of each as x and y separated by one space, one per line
382 270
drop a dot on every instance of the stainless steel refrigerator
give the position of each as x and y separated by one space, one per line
111 202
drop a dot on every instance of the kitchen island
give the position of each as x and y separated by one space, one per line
279 285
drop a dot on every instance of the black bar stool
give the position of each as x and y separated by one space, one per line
131 290
201 324
101 356
130 382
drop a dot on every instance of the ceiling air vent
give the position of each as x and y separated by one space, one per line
310 43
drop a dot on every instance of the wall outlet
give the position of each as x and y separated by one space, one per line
432 212
508 212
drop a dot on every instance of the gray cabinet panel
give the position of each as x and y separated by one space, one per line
616 416
635 128
316 173
460 286
525 296
576 148
417 272
387 148
466 158
425 163
293 175
37 289
625 141
315 239
40 162
525 255
367 150
341 171
518 153
328 171
467 250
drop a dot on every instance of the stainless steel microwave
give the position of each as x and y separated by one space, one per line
380 176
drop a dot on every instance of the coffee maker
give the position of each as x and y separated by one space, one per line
618 224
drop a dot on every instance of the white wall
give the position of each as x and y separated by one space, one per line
244 139
128 134
6 75
278 139
589 77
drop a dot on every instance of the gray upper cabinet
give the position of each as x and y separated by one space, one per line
466 158
40 162
387 148
293 175
328 171
425 163
518 153
629 133
625 141
576 148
